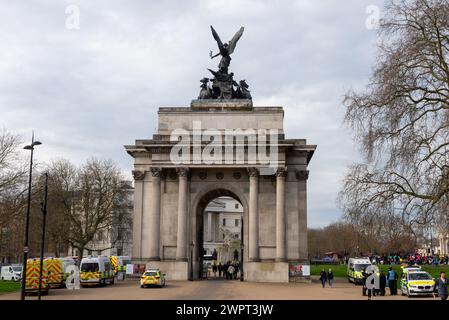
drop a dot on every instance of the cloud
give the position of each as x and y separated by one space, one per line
88 92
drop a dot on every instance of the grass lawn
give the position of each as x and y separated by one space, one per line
340 270
9 286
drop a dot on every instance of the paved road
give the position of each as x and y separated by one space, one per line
214 290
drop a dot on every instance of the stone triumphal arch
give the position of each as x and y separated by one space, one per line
170 197
221 145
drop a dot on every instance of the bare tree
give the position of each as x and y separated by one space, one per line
401 120
12 195
88 196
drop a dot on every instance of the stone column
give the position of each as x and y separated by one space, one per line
155 215
302 176
209 226
181 240
137 214
253 226
280 216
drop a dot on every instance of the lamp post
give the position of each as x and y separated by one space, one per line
44 212
27 218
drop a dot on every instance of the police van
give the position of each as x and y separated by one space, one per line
355 269
96 270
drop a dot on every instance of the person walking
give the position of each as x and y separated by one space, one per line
442 283
220 268
230 271
390 279
330 277
323 277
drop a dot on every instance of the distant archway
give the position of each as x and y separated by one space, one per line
204 198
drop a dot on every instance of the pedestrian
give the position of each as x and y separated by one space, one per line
396 278
323 277
214 268
230 271
382 283
330 277
442 283
220 268
365 290
390 279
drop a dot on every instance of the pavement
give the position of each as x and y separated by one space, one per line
215 289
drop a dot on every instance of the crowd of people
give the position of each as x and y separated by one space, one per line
416 258
228 270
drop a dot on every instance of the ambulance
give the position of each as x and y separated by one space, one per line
32 277
119 263
57 273
96 271
415 281
355 269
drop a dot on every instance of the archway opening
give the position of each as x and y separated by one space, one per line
220 236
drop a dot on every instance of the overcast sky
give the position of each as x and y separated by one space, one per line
89 91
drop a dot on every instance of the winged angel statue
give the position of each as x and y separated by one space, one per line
225 49
223 84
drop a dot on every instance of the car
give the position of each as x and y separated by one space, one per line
152 277
415 281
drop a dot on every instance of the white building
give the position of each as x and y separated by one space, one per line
222 228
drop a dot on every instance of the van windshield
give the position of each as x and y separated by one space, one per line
360 267
89 267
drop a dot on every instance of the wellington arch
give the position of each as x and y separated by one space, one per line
221 145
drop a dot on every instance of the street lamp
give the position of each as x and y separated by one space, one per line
27 218
44 212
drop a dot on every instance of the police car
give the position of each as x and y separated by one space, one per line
415 281
152 277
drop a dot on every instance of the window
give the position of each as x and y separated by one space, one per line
236 205
89 267
236 222
224 222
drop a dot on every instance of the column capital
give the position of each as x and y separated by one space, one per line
281 172
302 174
138 175
156 172
182 172
253 172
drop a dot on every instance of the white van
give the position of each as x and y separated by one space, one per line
355 269
13 272
96 270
